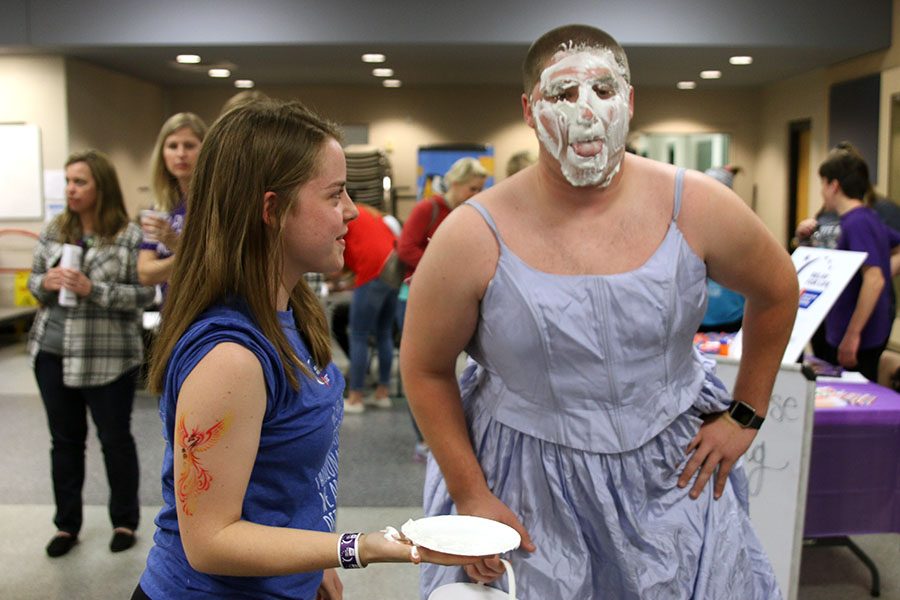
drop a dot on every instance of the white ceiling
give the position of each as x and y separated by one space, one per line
298 42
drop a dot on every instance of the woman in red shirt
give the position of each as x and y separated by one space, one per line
370 243
465 178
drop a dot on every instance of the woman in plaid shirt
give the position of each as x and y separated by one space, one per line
88 356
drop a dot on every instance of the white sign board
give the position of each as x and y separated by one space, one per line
777 467
21 175
823 274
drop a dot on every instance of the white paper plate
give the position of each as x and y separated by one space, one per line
467 591
462 535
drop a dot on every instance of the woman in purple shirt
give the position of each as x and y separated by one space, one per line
174 156
859 324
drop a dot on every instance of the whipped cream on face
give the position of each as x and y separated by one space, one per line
583 113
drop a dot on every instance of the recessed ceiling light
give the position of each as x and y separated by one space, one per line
373 58
219 73
244 83
394 83
741 60
712 74
686 85
188 59
383 72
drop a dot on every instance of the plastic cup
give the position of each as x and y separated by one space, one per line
149 213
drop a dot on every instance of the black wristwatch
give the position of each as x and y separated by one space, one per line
745 415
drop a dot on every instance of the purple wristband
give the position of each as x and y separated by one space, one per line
348 551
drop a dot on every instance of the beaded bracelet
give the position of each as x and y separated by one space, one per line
348 551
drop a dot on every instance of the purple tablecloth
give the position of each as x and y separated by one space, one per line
854 470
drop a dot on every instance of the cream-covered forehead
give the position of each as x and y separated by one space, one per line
581 59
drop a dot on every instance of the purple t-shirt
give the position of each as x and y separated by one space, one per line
863 231
176 222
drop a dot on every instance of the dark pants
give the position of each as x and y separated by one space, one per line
867 360
340 321
820 346
732 327
110 407
372 312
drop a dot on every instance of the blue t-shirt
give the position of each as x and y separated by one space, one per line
723 307
863 231
294 480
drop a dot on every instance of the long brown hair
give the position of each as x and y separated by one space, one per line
227 251
110 215
166 193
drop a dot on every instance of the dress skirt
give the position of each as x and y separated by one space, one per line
613 526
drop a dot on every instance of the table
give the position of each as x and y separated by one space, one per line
13 313
854 471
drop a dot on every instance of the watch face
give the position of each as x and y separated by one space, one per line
742 413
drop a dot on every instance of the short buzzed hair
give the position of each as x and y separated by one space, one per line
569 37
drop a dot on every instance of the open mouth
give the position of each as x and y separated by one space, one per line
587 148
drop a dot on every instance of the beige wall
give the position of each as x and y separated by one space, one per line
79 105
732 111
806 97
797 99
400 120
32 90
888 140
119 115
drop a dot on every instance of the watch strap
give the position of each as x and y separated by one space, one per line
744 415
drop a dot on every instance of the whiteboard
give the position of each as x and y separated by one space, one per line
777 467
21 179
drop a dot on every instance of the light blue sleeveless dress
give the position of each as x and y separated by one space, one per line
581 395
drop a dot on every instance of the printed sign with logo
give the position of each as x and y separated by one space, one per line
822 274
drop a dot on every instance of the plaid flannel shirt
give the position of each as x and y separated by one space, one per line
315 281
102 337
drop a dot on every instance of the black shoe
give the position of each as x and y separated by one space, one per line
61 544
121 540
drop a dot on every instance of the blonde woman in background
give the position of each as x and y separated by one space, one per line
242 98
86 357
465 178
519 161
174 156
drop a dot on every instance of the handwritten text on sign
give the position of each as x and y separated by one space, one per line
777 466
780 410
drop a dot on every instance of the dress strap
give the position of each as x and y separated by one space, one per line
487 217
679 184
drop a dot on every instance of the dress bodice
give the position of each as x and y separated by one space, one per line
595 362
